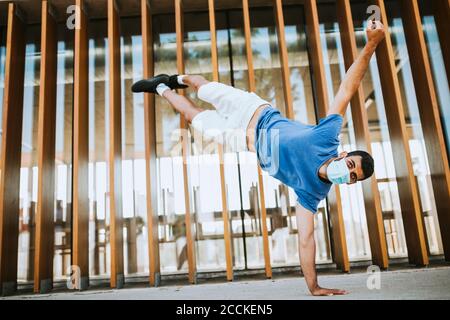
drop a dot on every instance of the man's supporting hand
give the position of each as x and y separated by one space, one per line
307 252
327 292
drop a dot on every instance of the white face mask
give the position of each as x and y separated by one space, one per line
337 172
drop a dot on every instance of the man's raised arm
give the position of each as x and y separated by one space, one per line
307 252
355 74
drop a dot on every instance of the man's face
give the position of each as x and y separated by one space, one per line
354 165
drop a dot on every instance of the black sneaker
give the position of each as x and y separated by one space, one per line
149 85
173 83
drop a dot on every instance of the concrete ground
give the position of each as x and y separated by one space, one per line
427 283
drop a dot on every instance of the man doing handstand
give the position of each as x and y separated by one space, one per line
304 157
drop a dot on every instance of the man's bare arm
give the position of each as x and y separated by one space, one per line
355 73
307 253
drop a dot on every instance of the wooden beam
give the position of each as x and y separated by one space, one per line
252 88
340 253
115 148
407 186
430 117
282 48
372 202
45 229
150 147
10 157
185 146
80 224
212 30
441 9
223 187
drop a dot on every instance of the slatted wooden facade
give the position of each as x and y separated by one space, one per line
10 156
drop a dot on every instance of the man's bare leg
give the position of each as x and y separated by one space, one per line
182 104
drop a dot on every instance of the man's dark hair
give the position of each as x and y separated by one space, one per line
367 163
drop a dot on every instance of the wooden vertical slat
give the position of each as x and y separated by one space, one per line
80 226
441 9
45 229
340 253
407 186
150 146
372 202
115 148
252 88
185 150
10 157
212 30
430 117
282 48
223 188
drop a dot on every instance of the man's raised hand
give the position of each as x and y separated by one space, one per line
375 32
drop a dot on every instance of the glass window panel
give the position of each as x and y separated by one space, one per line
28 172
266 58
99 248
